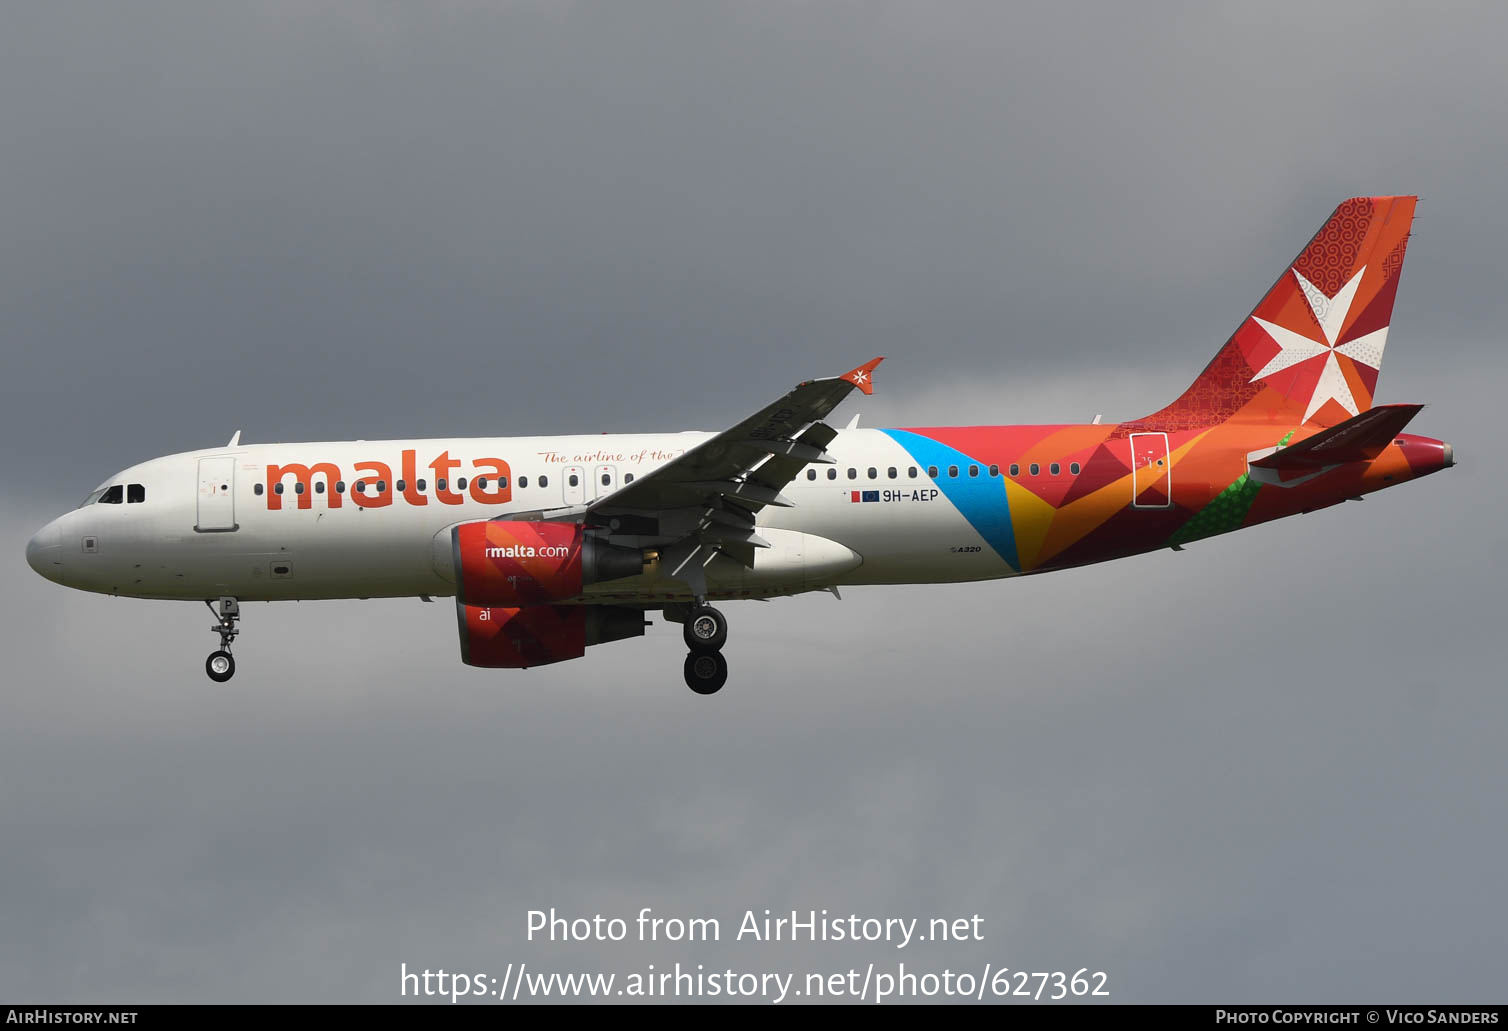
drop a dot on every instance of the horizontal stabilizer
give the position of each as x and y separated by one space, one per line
1360 438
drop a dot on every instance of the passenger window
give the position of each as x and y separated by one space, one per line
460 483
319 486
973 470
1055 468
994 470
298 488
112 496
1035 468
811 474
257 490
574 480
544 481
359 488
932 471
832 474
420 485
340 486
630 478
1073 467
135 494
381 486
853 474
874 474
440 483
277 489
911 471
502 481
890 472
481 483
606 479
523 481
1015 469
953 471
402 486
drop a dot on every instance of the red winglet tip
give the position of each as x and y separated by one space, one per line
863 376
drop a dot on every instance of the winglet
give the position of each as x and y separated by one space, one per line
863 376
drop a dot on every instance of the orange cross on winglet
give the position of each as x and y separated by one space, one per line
863 376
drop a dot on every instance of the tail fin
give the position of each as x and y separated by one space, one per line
1311 350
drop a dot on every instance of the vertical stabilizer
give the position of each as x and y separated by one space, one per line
1311 350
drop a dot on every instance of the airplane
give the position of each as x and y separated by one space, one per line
553 545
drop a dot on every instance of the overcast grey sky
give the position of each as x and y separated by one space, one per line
1267 768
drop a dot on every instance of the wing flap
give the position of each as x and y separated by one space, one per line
751 462
706 502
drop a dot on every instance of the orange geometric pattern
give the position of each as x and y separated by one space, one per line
1306 358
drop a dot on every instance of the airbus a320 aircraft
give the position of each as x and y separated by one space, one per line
551 545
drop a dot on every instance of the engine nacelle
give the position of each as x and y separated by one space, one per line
536 635
509 564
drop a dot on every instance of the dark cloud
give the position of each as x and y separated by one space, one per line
1265 768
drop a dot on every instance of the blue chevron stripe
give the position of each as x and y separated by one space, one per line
979 499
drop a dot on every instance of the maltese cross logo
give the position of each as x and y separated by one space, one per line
1296 349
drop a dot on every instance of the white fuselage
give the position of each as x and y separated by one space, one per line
210 523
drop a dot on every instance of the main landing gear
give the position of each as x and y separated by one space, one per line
706 672
221 665
706 632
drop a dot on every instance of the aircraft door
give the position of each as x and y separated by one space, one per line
1151 471
604 480
574 485
217 495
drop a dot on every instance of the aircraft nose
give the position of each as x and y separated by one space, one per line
44 552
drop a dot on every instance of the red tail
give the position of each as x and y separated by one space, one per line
1310 352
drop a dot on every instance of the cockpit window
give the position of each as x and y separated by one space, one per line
135 493
92 498
113 496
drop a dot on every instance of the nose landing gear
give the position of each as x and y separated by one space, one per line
705 633
221 665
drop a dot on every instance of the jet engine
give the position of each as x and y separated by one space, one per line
508 564
536 635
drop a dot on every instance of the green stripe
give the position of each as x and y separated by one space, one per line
1226 512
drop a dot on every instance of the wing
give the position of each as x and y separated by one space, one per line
707 500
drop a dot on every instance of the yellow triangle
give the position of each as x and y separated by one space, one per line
1031 517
